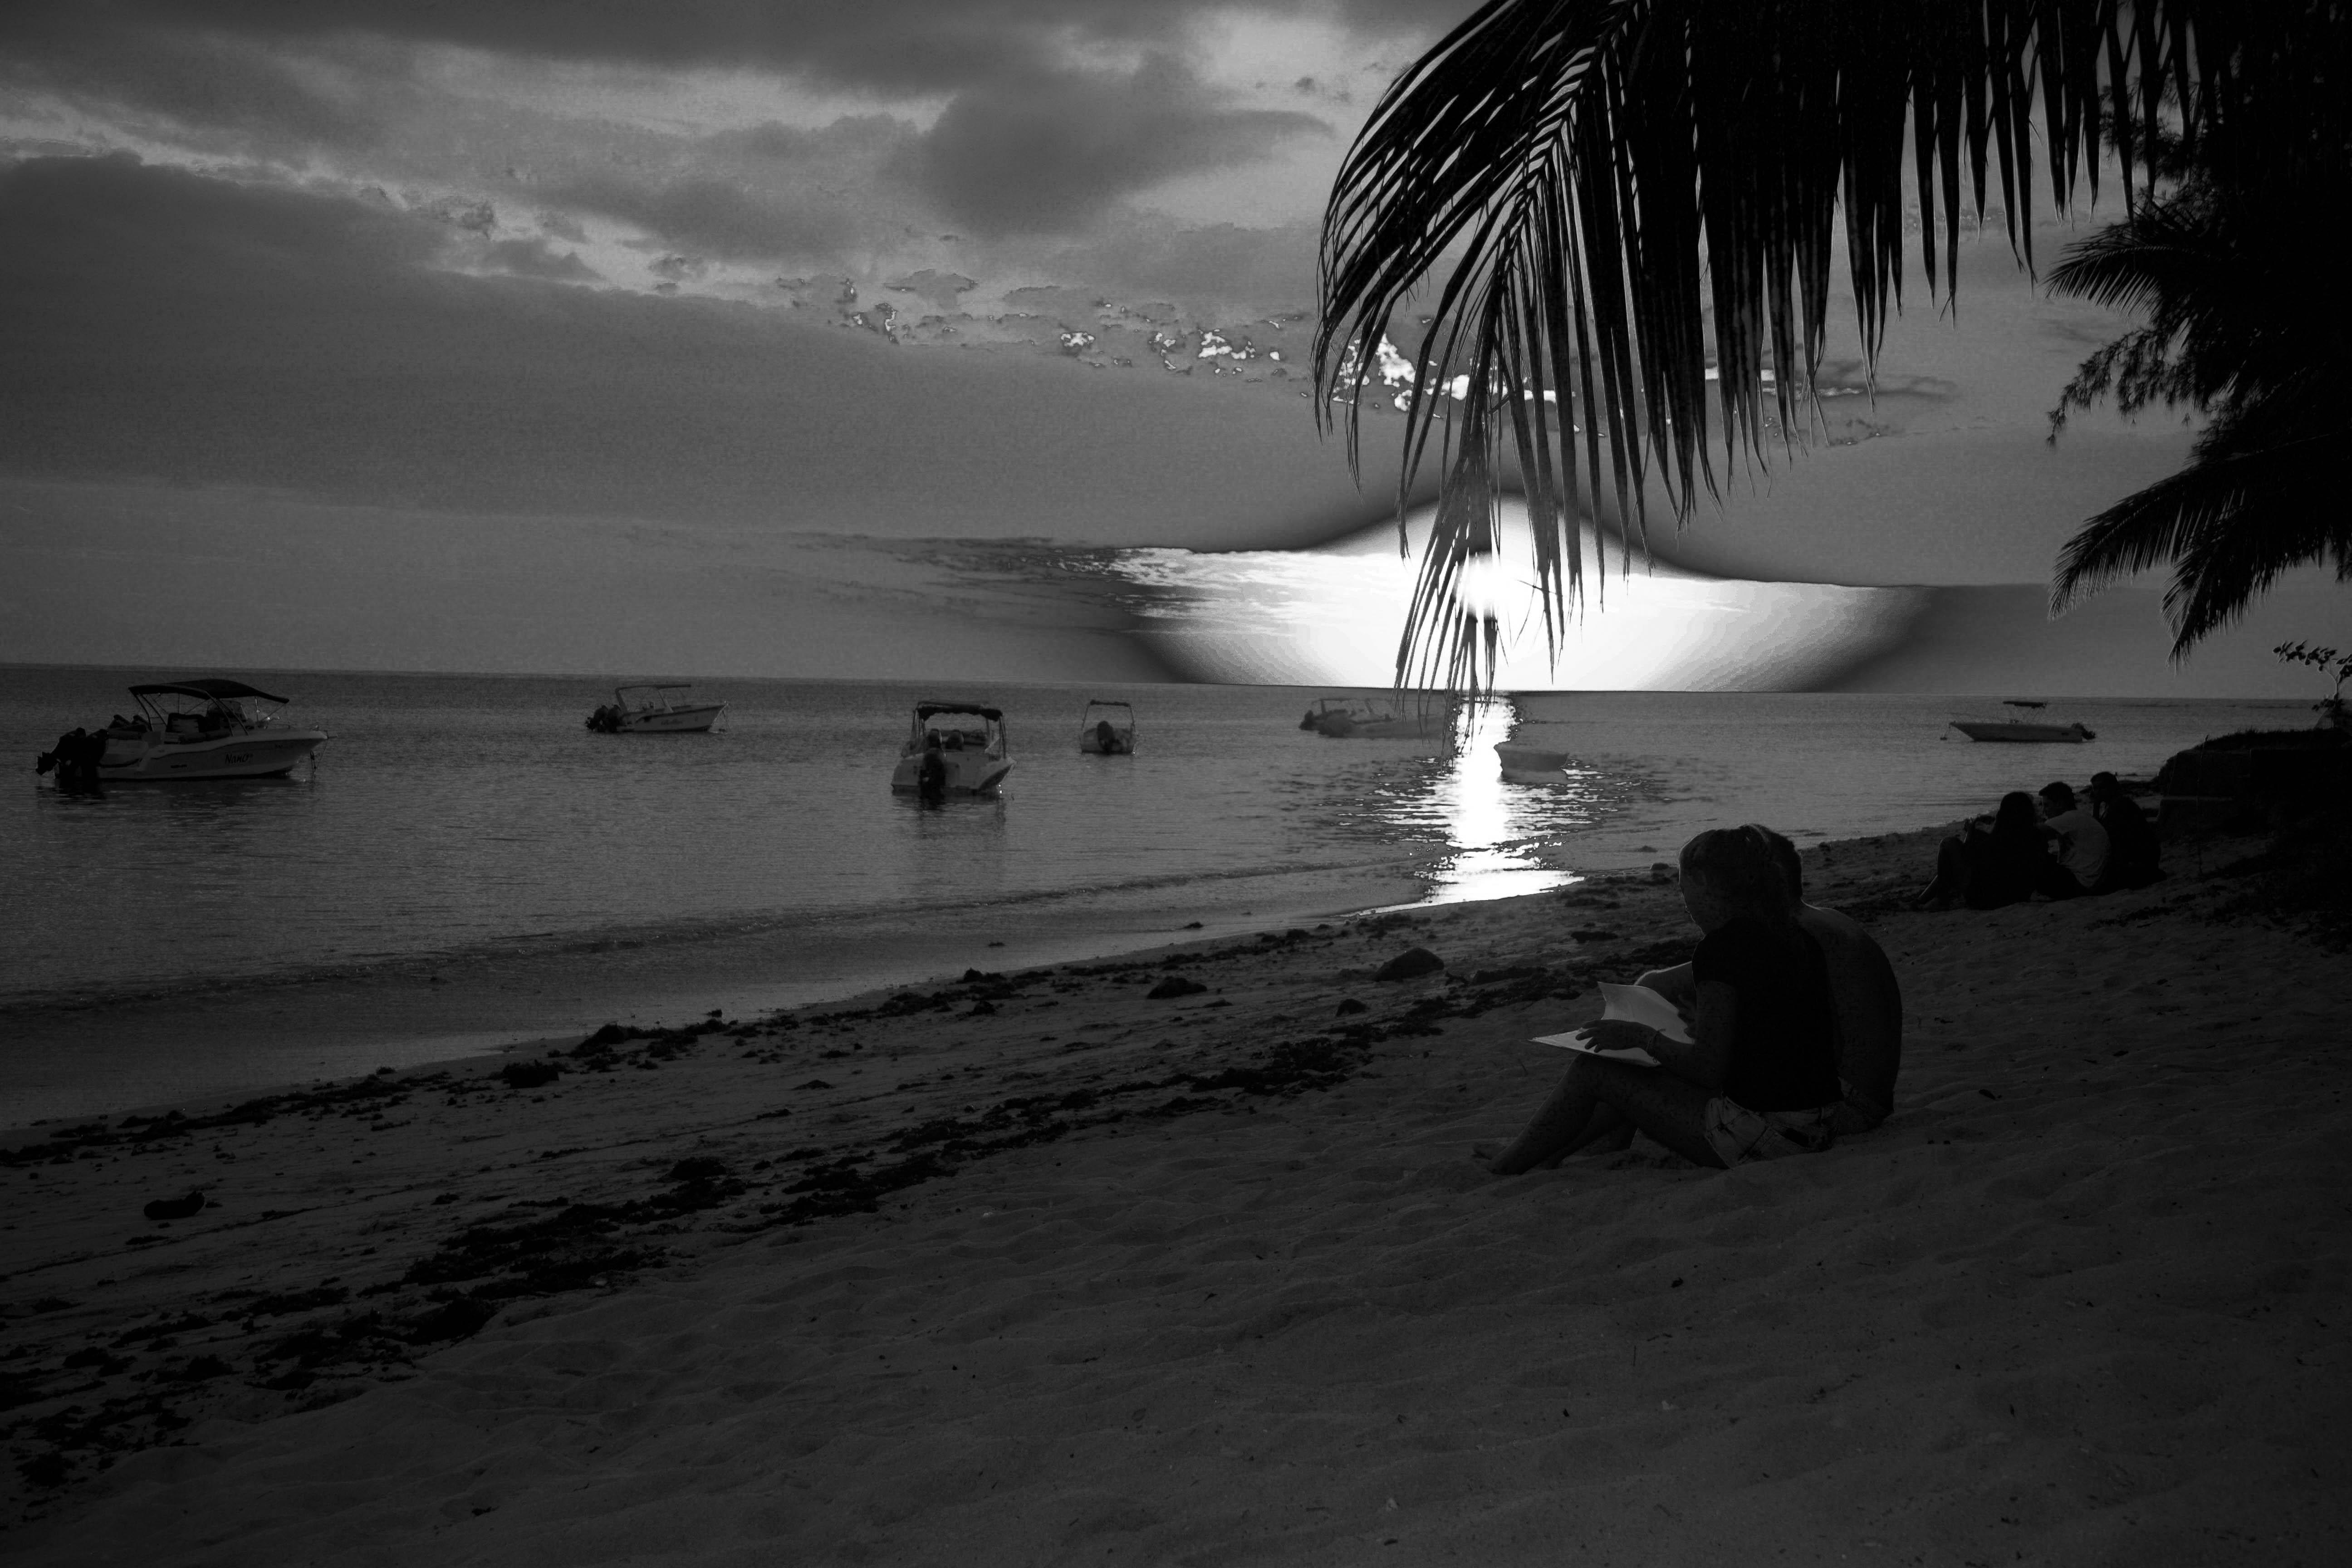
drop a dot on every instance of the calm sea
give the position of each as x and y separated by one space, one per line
455 813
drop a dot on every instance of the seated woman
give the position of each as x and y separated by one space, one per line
2134 856
1758 1079
1988 864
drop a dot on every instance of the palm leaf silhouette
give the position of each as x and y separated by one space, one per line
1583 184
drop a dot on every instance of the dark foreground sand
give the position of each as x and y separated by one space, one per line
1047 1270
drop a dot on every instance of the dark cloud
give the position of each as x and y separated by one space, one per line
718 217
1048 152
158 324
901 45
98 55
112 224
909 46
854 137
1210 269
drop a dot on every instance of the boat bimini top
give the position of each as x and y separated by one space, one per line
212 700
210 689
962 719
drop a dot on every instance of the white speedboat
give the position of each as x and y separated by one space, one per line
1107 730
668 708
962 745
1375 718
207 728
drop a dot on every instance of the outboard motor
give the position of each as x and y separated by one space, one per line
75 758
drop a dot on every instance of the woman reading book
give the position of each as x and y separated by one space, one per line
1757 1078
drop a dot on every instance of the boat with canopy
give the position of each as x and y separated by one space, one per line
962 745
205 728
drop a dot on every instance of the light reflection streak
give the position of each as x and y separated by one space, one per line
1499 836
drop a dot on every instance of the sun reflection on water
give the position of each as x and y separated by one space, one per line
1499 833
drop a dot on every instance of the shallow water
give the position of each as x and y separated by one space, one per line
454 812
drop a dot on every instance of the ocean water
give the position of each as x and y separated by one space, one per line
453 813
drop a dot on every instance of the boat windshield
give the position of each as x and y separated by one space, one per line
639 698
959 726
205 705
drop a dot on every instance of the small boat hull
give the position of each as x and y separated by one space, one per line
671 721
2024 734
1530 765
263 754
1378 721
969 773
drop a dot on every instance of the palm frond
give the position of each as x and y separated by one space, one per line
2261 496
1585 181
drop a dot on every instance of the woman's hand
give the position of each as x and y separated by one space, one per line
1621 1035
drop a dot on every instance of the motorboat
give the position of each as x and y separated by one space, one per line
968 741
665 708
2023 731
1107 730
1376 719
207 728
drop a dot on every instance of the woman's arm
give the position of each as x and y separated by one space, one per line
1704 1061
1673 985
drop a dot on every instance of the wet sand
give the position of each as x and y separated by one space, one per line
237 1038
1043 1267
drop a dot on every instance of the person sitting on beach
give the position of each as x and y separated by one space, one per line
2133 853
1758 1079
2081 845
1991 861
1865 998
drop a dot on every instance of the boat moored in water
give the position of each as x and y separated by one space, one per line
960 745
206 728
2019 732
664 708
1531 765
1376 719
1107 730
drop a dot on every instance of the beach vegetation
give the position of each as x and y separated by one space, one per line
2332 708
1629 218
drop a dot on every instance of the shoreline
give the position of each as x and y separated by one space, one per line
346 1021
1179 1255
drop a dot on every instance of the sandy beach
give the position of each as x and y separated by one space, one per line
1181 1258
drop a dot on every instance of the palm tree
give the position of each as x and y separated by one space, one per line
1584 181
2242 326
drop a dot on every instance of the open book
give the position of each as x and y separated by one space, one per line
1637 1003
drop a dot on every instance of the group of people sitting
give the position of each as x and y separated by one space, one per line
1795 1021
2052 845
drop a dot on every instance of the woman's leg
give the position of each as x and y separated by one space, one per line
1666 1107
1559 1128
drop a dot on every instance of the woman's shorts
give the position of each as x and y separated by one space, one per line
1737 1134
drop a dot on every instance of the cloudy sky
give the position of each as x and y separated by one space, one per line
691 336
